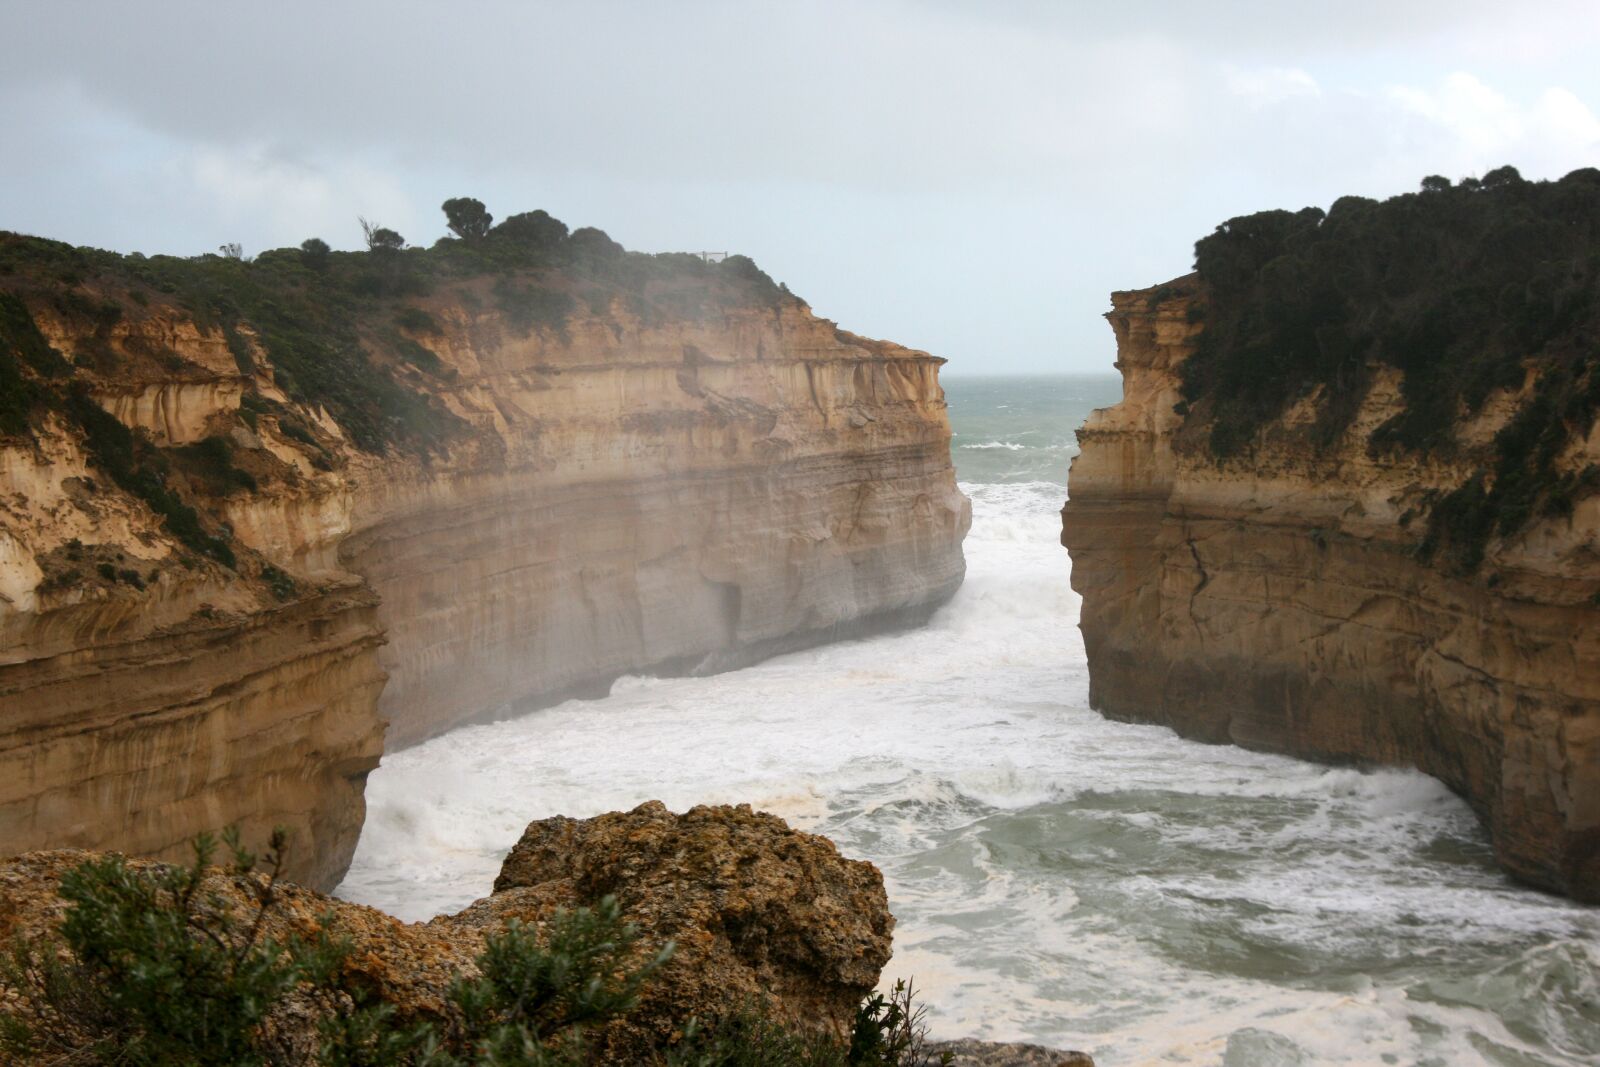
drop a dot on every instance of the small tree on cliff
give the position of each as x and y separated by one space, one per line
314 252
466 217
380 238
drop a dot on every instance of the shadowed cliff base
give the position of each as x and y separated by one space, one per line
553 461
1330 519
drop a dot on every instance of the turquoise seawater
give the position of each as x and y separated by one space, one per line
1056 877
1014 429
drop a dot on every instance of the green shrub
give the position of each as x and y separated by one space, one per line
889 1031
419 356
210 461
417 320
537 996
142 472
22 346
528 306
282 584
1456 286
162 970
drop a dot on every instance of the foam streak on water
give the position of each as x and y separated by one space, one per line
1056 877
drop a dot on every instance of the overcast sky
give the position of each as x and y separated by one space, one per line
969 178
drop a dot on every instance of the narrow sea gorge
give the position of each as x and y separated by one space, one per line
1057 877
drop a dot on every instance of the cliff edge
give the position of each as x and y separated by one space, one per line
1347 508
236 496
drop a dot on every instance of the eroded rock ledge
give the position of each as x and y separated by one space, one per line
1278 600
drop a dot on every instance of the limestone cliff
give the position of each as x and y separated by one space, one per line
1283 597
235 496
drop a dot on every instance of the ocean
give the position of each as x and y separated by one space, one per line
1056 877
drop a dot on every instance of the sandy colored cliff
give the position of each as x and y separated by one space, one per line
1280 599
666 474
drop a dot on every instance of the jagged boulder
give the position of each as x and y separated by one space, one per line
761 914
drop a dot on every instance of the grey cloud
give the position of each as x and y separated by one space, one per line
967 178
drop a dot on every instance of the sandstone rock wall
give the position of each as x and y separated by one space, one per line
1280 602
689 497
688 493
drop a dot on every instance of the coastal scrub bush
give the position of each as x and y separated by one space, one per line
528 306
538 995
210 460
417 320
161 969
22 346
321 317
142 472
889 1031
1463 288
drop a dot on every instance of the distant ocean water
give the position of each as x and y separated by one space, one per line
1056 877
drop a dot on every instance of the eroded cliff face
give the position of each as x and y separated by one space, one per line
617 494
689 497
1279 600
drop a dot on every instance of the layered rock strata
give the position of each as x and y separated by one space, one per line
1279 600
618 493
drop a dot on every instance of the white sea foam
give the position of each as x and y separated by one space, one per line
1056 876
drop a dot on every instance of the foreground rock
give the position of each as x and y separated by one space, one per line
1279 600
234 497
763 916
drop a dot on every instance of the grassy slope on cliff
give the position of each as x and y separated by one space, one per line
341 331
1462 287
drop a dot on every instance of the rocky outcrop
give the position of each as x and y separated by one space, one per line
762 916
1279 599
679 477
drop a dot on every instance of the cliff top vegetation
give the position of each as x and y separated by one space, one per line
335 324
1465 287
